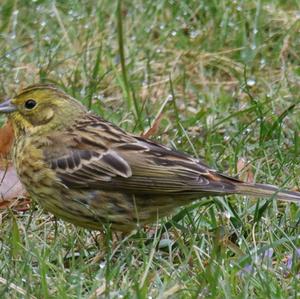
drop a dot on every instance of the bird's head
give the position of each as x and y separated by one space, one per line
41 108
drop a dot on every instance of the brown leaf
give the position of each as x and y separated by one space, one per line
6 139
10 187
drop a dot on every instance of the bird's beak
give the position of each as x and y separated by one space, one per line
7 106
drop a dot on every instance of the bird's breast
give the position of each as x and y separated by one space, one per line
34 173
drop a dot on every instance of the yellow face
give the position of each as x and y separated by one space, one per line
41 108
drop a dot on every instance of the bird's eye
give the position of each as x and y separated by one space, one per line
30 104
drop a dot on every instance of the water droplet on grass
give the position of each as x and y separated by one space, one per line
247 131
46 38
82 92
262 62
102 265
227 215
164 243
251 82
194 34
170 98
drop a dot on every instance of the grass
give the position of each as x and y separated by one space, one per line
230 72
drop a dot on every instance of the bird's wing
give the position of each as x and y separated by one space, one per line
158 169
84 167
98 155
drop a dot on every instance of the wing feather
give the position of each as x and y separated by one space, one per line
131 165
84 166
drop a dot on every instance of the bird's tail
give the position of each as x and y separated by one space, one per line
264 190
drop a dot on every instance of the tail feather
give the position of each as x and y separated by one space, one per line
264 190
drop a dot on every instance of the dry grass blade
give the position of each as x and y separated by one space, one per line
171 292
16 288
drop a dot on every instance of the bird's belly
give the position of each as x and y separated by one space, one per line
124 212
93 209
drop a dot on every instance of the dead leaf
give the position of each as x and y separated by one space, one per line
10 187
6 139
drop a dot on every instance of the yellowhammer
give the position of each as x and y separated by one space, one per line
88 171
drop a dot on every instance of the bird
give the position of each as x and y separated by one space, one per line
88 171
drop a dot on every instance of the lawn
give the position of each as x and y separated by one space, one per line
216 79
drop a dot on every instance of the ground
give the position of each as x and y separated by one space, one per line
216 79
